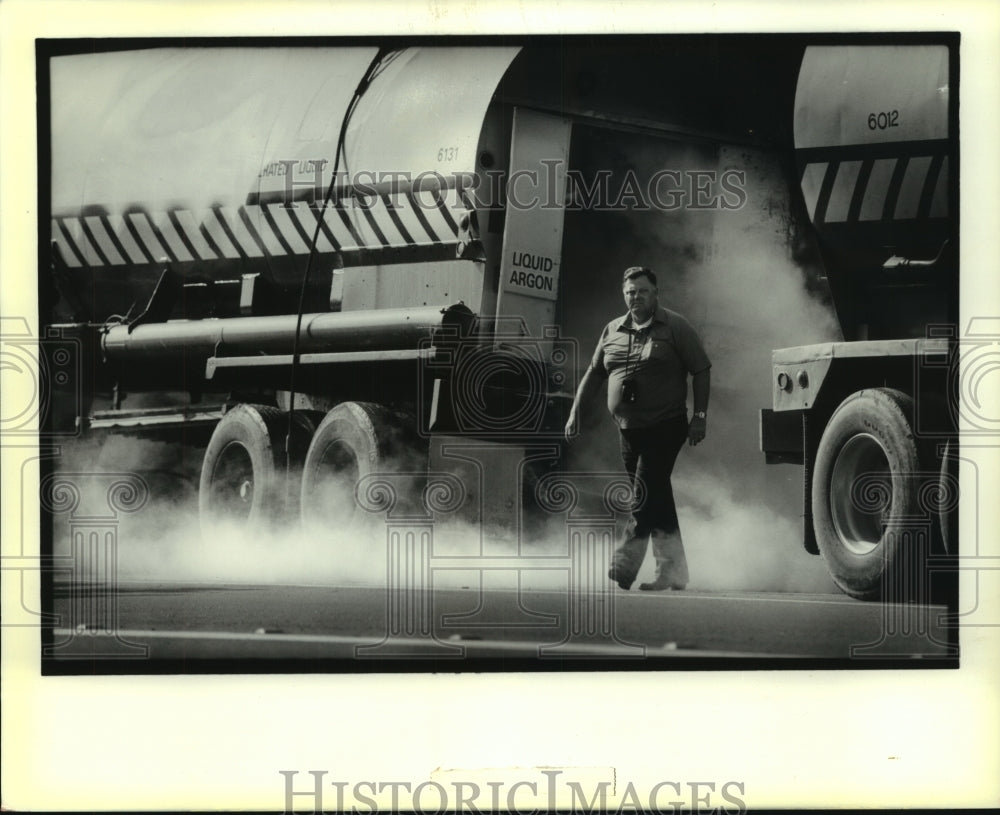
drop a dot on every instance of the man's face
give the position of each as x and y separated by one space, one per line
640 297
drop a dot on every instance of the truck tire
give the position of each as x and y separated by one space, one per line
946 496
866 498
948 492
241 473
354 440
941 454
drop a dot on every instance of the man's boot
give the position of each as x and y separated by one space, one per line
671 564
627 559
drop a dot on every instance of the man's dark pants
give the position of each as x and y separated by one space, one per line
649 454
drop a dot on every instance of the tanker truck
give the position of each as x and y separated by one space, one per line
319 263
872 419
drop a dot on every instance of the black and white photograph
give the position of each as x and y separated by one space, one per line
553 350
367 358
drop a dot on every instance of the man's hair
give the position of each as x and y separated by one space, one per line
632 272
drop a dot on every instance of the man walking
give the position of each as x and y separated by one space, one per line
646 357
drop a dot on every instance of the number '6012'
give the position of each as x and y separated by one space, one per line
881 121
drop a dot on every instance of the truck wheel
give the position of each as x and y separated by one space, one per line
948 492
240 473
866 494
355 439
941 454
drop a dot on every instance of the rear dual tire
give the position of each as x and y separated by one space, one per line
355 441
873 487
242 475
244 481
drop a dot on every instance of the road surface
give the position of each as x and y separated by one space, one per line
200 627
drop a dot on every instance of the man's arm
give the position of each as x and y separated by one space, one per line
701 385
589 386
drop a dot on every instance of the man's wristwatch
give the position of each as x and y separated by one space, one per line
700 414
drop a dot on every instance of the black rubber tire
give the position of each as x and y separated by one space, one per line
948 492
940 453
946 496
242 474
354 440
866 493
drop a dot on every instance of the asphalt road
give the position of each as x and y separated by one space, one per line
210 627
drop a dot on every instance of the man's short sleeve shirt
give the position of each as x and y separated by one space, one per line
658 359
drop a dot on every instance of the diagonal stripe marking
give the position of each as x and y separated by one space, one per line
132 223
67 239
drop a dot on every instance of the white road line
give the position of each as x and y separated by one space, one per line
138 635
133 584
643 596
